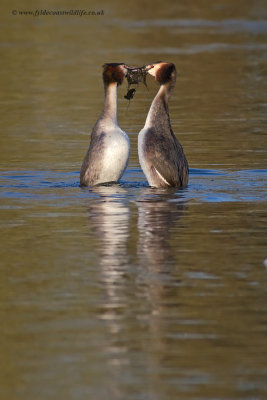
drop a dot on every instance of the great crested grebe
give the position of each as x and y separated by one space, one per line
160 154
108 153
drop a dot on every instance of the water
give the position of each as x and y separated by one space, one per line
124 291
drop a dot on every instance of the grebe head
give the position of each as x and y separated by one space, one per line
114 73
162 72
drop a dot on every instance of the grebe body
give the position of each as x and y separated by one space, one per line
161 156
108 153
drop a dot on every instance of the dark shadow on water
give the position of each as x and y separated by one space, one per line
196 171
134 184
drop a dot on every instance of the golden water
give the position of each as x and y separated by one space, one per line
123 291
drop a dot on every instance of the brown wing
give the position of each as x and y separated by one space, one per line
166 155
92 162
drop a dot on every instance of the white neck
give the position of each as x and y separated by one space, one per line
110 105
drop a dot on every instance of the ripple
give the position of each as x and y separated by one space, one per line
194 49
223 26
205 185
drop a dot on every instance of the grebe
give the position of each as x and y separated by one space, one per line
160 154
108 153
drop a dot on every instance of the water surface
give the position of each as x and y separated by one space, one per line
124 291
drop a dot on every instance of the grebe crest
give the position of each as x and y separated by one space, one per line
114 73
162 72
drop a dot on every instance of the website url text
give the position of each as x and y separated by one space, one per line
38 13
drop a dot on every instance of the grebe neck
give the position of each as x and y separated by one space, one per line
159 111
110 105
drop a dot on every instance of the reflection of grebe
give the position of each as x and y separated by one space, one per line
161 155
159 212
109 220
108 153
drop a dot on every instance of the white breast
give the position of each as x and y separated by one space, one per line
115 155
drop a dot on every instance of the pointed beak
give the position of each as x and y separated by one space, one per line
145 68
132 69
148 67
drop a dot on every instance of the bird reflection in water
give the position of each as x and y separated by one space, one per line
124 310
109 217
160 213
159 210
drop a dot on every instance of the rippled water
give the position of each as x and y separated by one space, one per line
124 291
